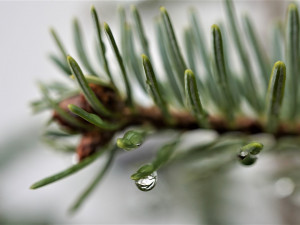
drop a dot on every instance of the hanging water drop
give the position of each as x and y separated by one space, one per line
147 183
131 140
247 155
242 155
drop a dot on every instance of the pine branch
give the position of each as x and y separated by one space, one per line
182 99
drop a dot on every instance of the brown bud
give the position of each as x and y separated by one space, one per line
91 141
108 97
78 100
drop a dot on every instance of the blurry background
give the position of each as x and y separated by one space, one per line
24 47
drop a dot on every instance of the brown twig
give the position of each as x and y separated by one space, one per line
183 120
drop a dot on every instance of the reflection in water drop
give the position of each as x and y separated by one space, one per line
246 158
147 183
243 154
284 187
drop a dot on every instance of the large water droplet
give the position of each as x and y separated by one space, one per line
147 183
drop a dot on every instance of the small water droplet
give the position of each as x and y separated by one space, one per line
242 154
284 187
147 183
246 158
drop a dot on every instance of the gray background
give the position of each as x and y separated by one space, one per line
24 44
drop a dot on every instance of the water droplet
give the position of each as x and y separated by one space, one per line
131 140
284 187
242 155
147 183
246 158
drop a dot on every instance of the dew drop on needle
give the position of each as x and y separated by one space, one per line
246 158
147 183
